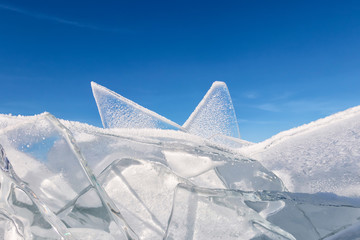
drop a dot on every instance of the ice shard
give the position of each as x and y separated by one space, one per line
140 170
143 191
215 115
46 158
117 111
200 213
190 157
217 214
352 232
22 215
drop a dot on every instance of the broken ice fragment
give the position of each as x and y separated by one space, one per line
200 213
22 214
117 111
215 114
189 165
352 232
143 191
204 214
313 216
248 175
190 157
45 156
4 161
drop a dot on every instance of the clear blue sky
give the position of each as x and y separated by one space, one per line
286 63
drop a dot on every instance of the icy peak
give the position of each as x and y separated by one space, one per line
117 111
214 118
215 114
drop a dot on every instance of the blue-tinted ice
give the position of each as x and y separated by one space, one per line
45 157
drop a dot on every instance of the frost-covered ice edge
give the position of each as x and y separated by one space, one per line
146 177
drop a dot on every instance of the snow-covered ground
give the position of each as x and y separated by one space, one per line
322 156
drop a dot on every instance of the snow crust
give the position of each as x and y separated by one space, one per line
322 156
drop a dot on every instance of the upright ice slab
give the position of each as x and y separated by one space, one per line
46 158
215 114
117 111
22 215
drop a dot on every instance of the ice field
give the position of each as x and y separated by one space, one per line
144 176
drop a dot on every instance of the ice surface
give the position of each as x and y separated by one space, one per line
117 111
216 214
352 232
215 115
200 213
46 158
322 156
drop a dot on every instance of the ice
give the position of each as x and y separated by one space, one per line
352 232
229 141
23 216
117 111
140 170
322 156
143 191
214 118
222 167
179 162
328 213
198 212
145 179
46 158
216 214
215 115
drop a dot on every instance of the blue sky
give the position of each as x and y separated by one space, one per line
286 63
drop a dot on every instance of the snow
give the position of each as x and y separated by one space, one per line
322 156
